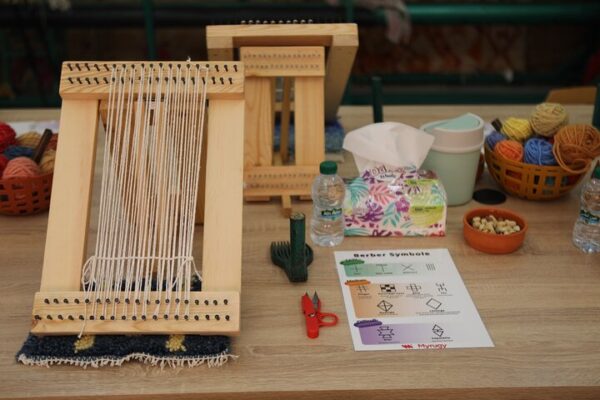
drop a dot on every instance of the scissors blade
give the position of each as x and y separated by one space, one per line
316 302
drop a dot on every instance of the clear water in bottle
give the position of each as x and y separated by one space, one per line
586 233
327 224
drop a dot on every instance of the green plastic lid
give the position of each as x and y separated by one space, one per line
328 168
596 173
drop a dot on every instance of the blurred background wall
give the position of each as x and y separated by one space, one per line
426 52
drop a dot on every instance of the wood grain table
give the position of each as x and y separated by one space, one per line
541 306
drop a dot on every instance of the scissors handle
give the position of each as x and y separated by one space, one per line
327 319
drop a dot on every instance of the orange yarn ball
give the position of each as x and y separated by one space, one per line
576 146
510 150
21 167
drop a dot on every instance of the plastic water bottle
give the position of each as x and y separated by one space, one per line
586 234
328 190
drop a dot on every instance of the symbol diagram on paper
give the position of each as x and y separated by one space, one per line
441 288
385 306
407 268
385 332
430 267
438 330
416 289
363 289
433 303
388 288
382 268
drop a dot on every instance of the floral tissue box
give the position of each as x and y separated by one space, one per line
395 202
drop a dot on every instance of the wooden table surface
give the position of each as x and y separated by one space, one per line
541 306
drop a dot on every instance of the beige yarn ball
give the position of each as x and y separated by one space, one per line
47 161
547 119
29 139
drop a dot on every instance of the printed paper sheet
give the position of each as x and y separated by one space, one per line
408 299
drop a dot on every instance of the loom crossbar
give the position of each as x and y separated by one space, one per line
59 313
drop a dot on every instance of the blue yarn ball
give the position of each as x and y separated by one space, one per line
493 138
539 152
18 151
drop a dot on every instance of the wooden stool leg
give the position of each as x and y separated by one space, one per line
66 238
258 126
222 249
309 120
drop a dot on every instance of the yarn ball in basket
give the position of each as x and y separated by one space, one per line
21 167
18 151
47 161
547 118
518 129
493 138
510 150
7 136
576 146
29 139
539 152
3 163
53 142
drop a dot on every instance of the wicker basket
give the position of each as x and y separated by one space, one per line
25 196
527 181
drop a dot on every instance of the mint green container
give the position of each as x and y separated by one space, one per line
454 155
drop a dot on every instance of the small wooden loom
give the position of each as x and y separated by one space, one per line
140 278
292 51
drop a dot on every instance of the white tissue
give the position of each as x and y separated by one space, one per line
388 143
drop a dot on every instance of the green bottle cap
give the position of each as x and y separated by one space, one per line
596 173
328 168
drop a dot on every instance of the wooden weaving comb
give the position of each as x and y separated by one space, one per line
61 306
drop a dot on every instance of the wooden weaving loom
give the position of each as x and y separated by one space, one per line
318 58
140 277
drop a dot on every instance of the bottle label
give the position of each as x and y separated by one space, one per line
589 218
331 213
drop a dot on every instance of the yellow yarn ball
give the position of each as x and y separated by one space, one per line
47 161
29 139
518 129
547 118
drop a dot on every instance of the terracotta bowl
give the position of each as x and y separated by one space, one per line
490 242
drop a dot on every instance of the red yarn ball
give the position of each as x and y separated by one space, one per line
3 163
21 167
8 136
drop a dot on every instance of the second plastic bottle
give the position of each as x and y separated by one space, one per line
327 224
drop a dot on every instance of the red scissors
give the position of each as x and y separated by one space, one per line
314 317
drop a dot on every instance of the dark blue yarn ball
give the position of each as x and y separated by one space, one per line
493 138
18 151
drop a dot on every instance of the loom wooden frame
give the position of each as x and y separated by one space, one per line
340 40
59 303
306 64
287 50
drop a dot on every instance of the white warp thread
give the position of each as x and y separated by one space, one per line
150 176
